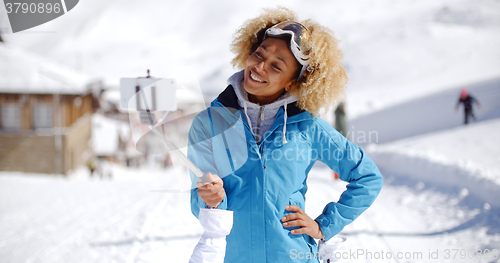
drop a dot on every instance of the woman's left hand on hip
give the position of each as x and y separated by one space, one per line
301 219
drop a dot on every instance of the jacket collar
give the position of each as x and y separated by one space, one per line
229 99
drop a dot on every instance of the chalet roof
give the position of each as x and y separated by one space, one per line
25 72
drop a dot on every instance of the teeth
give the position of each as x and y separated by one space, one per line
255 78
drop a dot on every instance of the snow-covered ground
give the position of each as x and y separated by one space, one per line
132 217
413 218
80 219
473 150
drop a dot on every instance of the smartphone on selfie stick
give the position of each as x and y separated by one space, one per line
148 95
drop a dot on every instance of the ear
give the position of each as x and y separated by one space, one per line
289 86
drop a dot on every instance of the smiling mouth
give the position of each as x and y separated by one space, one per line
252 76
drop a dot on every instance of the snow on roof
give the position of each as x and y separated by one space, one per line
25 72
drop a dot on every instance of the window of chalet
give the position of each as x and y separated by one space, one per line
42 116
11 116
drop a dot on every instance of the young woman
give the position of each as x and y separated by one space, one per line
290 71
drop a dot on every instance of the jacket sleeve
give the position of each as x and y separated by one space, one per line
201 154
353 166
475 100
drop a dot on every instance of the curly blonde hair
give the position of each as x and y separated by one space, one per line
325 79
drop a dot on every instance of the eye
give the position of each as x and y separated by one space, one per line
276 67
258 54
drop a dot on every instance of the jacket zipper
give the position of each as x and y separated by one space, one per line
261 117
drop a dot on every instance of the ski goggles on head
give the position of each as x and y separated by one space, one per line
299 35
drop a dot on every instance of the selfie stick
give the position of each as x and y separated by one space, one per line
171 146
173 149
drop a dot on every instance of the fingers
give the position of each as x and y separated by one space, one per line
216 181
314 233
200 184
291 217
299 231
214 178
212 199
300 219
306 226
211 193
294 208
297 215
209 188
293 223
297 220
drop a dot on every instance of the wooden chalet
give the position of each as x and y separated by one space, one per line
45 114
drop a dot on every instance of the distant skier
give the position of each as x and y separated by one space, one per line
467 100
340 123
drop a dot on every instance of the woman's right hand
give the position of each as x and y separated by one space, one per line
211 193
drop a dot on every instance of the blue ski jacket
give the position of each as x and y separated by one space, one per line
260 180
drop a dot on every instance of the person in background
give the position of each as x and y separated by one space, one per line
340 123
92 165
467 100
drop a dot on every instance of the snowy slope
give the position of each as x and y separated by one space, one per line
465 157
430 47
433 112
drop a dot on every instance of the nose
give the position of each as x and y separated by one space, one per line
260 66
